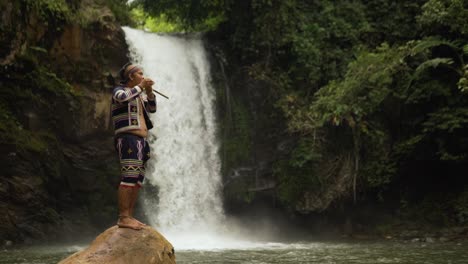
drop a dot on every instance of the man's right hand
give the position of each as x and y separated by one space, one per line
146 83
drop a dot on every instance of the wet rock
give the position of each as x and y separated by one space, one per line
126 246
409 235
415 240
443 239
429 240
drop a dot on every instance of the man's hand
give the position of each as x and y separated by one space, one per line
147 83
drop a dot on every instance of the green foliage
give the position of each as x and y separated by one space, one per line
50 10
380 167
200 15
298 174
360 99
121 11
463 81
450 123
322 65
368 82
446 120
30 84
428 44
305 152
440 15
57 13
13 133
293 182
237 144
433 63
40 78
155 24
322 25
392 21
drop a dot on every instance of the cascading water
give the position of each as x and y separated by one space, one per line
185 163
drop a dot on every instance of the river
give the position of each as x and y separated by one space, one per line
336 252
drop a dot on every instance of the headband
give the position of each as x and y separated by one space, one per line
132 70
125 73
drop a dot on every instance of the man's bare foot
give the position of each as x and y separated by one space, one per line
140 223
128 222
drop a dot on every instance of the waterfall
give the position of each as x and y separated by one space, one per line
185 163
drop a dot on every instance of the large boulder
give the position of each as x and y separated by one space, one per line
126 246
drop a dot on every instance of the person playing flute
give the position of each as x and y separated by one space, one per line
132 103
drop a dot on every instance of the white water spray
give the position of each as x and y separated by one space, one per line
185 164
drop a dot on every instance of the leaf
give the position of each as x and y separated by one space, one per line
40 49
431 43
434 63
465 49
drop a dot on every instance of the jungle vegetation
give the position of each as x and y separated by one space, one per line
381 83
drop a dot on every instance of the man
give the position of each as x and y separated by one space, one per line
130 108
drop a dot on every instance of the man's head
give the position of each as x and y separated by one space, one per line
131 74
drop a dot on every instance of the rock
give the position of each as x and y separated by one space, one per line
8 243
443 239
126 246
414 240
410 235
429 240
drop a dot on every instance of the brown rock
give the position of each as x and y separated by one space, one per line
126 246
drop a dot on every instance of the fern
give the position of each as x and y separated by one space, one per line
465 49
433 63
431 43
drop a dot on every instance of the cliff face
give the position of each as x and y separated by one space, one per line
257 147
58 164
253 134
